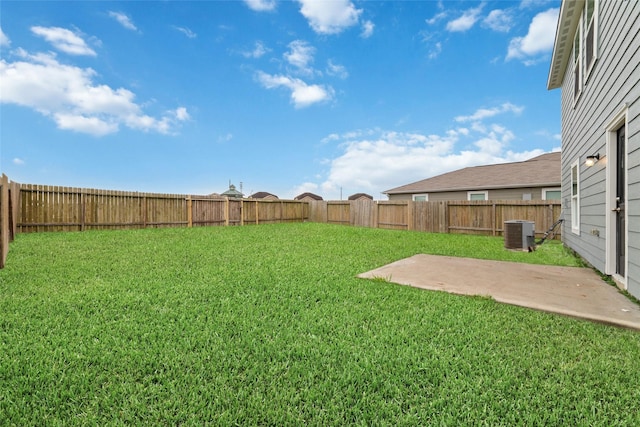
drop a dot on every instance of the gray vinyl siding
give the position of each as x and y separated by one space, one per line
614 81
498 194
633 198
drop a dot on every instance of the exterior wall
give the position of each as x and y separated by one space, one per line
614 81
499 194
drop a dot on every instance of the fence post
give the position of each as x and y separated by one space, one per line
226 211
375 215
493 219
189 212
4 219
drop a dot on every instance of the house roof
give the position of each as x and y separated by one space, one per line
541 171
262 195
360 196
568 21
310 195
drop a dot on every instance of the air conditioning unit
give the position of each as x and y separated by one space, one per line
519 234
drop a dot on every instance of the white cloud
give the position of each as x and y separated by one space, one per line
261 5
300 55
330 17
436 18
375 160
258 51
384 160
181 114
302 94
337 70
367 29
466 21
499 20
306 187
539 39
124 20
4 40
484 113
435 50
64 40
69 96
186 31
18 161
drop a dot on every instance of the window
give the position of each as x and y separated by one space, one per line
575 198
420 197
590 42
477 195
551 193
577 62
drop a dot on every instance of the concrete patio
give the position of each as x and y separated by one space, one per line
570 291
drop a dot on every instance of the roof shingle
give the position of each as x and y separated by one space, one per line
540 171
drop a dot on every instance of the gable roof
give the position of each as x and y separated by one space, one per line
541 171
262 195
310 195
360 196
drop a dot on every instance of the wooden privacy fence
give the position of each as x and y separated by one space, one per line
48 208
26 208
464 217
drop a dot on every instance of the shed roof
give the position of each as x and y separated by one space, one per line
310 195
541 171
360 196
262 195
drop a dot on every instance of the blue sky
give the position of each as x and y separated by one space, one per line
334 97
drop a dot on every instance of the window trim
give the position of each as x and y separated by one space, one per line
577 63
549 189
485 193
575 198
426 197
587 25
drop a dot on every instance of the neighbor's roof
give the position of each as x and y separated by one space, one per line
262 195
360 196
310 195
541 171
568 21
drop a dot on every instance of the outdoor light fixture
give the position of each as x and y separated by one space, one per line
592 160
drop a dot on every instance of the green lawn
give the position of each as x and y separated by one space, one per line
268 325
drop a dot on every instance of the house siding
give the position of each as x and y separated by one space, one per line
500 194
614 81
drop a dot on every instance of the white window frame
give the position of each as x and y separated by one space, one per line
472 193
592 23
577 63
575 197
425 195
549 189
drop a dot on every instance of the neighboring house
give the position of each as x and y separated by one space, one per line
360 196
534 179
596 63
232 193
263 195
307 197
